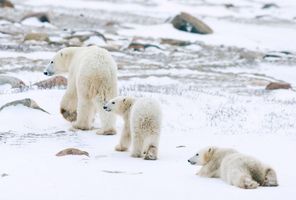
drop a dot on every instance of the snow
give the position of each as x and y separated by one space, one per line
258 123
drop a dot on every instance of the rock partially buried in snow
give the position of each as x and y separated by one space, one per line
37 37
41 16
174 42
270 5
14 82
139 46
276 85
56 81
25 102
72 151
189 23
6 4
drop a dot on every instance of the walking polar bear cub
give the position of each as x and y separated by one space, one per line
234 168
142 121
92 80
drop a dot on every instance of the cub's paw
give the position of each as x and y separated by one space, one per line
76 125
120 148
106 132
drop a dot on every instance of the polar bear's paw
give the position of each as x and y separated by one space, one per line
80 126
151 153
270 178
248 183
106 132
119 147
136 154
68 115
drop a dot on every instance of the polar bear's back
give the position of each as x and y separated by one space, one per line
236 163
146 116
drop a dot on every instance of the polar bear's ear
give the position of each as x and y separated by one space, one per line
124 100
62 54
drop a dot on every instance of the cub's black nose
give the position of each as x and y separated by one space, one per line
189 161
45 73
105 107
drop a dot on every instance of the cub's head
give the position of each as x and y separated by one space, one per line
203 156
119 105
60 62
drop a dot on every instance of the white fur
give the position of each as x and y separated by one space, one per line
92 80
234 168
142 119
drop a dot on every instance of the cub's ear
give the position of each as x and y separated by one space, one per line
62 54
124 100
211 149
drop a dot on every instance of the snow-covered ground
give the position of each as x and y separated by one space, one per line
211 92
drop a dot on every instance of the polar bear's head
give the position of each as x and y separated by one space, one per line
203 156
119 105
60 62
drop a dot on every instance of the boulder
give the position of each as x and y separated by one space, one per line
56 81
6 4
25 102
189 23
14 82
278 85
72 151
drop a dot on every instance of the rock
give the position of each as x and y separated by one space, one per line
174 42
189 23
25 102
14 82
4 175
6 4
56 81
37 37
139 46
72 151
229 5
41 16
277 85
269 5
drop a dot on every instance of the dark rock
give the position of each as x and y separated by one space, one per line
277 85
25 102
139 46
229 5
14 82
4 175
56 81
175 42
6 4
72 151
270 5
189 23
41 16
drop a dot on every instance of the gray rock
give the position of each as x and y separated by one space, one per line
41 16
56 81
6 4
37 37
25 102
189 23
14 82
270 5
72 151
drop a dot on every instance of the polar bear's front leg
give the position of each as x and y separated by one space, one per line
69 105
125 139
85 114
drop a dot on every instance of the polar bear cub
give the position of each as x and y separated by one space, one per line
234 168
92 80
142 123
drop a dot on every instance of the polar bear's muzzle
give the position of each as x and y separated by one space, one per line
48 70
106 108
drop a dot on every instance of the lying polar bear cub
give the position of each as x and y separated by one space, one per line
142 122
234 168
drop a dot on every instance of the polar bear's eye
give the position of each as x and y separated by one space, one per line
51 62
197 154
113 102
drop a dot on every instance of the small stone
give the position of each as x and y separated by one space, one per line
277 85
188 23
139 46
56 81
72 151
175 42
37 37
41 16
4 175
270 5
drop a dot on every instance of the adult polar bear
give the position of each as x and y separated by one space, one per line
92 80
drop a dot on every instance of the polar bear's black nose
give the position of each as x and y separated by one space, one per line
189 161
45 73
105 107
